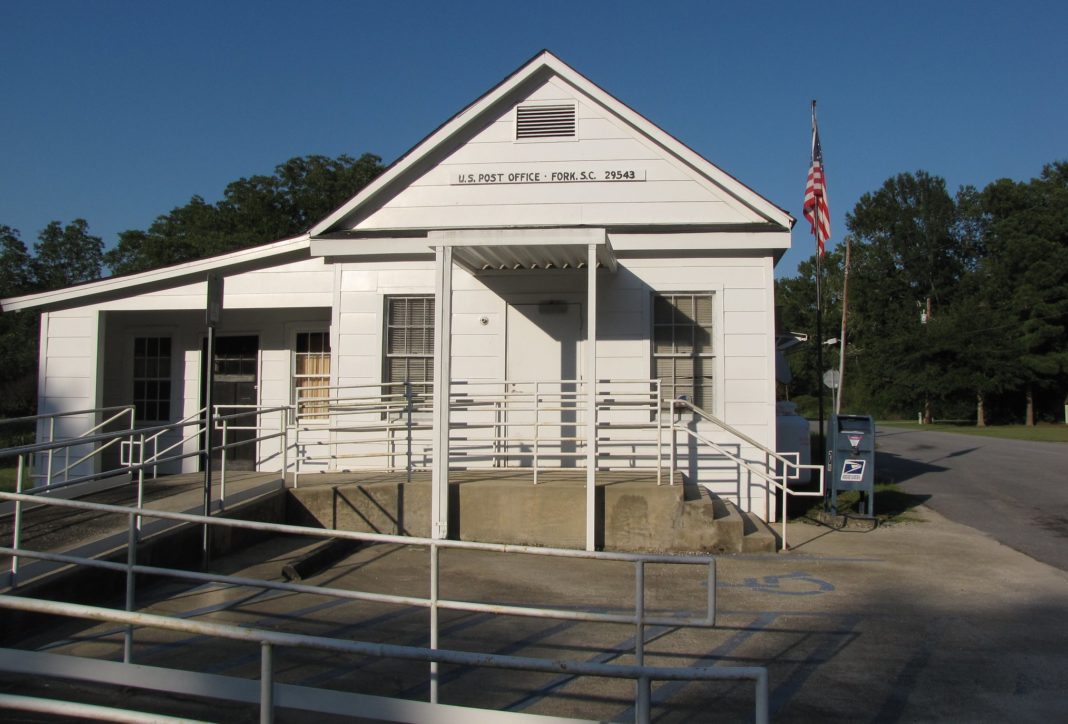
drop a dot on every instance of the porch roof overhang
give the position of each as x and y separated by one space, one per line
484 250
102 290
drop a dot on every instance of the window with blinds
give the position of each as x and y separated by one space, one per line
152 379
409 353
311 374
683 356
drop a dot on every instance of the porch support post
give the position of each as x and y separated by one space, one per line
439 494
591 397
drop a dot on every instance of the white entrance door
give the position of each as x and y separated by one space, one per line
542 352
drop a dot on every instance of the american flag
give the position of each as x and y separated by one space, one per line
816 210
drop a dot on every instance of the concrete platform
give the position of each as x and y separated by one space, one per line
633 512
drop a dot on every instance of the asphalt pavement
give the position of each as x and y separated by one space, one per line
922 621
1012 490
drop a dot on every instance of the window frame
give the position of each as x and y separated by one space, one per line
419 387
141 402
705 390
295 377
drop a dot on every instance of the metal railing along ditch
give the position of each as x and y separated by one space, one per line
640 617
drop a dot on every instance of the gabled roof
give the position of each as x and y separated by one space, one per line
764 215
536 72
257 257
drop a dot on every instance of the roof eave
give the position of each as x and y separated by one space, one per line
243 260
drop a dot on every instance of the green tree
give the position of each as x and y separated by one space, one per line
15 271
18 331
253 210
66 255
910 253
1025 278
795 311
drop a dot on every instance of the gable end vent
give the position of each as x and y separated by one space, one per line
545 121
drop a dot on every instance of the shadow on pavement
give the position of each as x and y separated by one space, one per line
891 468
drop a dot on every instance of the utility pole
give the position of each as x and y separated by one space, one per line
842 337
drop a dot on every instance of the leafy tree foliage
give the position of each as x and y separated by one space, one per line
253 210
18 332
66 255
956 303
63 255
1025 276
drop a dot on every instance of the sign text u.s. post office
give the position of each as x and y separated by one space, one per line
561 175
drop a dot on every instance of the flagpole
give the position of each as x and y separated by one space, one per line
820 439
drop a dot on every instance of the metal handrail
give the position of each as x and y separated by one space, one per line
643 674
66 413
780 482
221 422
640 618
338 413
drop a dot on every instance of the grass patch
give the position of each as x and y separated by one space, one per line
892 505
1044 432
8 478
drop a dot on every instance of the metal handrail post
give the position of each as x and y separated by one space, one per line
408 411
140 477
660 435
434 586
283 440
641 694
710 609
761 707
222 463
131 561
296 446
16 537
266 683
51 450
785 496
641 702
500 442
671 446
537 427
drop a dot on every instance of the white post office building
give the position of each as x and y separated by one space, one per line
530 287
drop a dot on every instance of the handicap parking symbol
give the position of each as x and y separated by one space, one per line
798 583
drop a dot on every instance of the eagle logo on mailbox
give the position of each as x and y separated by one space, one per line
853 471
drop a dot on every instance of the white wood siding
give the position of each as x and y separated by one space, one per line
743 346
68 380
671 192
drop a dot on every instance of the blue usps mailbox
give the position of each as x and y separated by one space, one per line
851 459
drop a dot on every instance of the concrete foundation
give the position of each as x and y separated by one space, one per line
505 506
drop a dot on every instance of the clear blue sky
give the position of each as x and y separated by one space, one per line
117 112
